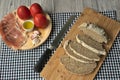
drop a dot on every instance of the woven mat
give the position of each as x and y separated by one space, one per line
18 65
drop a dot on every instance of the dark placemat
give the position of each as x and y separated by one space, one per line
18 65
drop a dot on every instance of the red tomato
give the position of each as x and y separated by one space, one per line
35 8
40 21
23 12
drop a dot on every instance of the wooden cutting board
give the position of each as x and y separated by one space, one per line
54 70
44 33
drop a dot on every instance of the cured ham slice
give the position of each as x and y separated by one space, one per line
12 32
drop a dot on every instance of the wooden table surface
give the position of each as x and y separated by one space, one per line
55 6
52 6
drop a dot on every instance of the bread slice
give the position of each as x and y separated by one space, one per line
71 54
94 32
82 51
91 44
77 67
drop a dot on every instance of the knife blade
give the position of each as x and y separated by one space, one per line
42 61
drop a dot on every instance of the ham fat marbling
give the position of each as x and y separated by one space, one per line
12 32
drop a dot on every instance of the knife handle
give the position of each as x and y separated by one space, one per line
42 61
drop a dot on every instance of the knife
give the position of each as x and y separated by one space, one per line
43 60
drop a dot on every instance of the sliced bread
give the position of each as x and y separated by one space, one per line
71 54
94 32
91 44
76 66
82 51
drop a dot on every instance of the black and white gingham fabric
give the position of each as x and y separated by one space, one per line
18 65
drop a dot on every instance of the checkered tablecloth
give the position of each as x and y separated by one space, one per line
18 65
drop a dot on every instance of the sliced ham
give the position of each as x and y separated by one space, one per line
12 32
